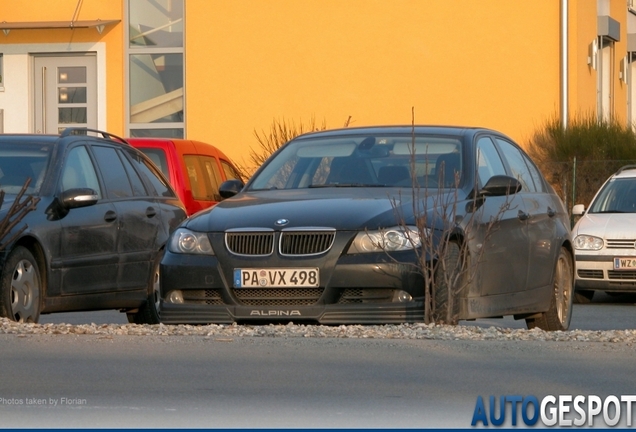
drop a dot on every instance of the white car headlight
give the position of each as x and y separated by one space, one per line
387 240
587 242
184 241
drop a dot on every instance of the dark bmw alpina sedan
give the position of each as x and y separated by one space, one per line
378 225
94 240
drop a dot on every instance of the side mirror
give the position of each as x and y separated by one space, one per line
80 197
229 188
578 209
501 185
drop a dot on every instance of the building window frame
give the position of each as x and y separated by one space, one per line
170 126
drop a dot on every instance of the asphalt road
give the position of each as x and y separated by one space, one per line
64 381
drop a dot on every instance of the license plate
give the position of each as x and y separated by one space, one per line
625 263
276 277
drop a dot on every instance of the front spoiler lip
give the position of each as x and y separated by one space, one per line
323 314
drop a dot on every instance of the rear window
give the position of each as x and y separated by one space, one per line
21 161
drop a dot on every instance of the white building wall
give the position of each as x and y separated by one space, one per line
17 99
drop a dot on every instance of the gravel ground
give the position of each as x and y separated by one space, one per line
402 331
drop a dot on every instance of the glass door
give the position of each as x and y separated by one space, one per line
65 93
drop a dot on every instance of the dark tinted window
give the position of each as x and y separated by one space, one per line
150 172
135 180
79 172
517 165
113 172
535 174
19 161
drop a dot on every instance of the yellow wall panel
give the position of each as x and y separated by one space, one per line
493 64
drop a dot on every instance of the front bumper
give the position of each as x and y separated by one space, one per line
596 272
355 289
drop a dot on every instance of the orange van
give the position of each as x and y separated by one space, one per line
195 169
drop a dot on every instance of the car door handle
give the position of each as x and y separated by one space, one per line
110 216
151 212
551 212
523 215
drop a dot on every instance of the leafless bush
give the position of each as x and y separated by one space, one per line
18 210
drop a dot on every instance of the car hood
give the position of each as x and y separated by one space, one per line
607 225
328 207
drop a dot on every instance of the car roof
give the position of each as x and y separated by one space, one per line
400 129
628 171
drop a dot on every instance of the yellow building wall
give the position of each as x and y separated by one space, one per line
64 10
492 64
582 32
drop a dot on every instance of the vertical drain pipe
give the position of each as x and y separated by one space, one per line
564 64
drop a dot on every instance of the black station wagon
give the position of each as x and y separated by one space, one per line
102 216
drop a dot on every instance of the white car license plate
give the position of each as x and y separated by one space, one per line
276 277
625 263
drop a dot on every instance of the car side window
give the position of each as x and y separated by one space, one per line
151 173
517 164
133 176
535 174
230 171
213 171
113 171
201 174
158 157
488 161
79 171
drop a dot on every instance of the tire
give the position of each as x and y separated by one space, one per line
149 312
446 272
560 313
21 287
583 296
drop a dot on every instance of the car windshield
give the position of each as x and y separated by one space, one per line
617 196
363 161
20 161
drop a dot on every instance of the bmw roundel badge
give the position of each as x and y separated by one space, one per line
282 222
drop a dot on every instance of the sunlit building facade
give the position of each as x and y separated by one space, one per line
219 71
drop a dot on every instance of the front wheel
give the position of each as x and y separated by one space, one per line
149 312
20 287
560 313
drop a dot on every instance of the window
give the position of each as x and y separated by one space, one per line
79 171
204 176
150 172
155 68
158 157
517 165
113 171
230 171
135 180
489 161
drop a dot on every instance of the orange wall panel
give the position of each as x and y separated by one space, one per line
493 64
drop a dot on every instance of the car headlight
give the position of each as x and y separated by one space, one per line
386 240
587 242
184 241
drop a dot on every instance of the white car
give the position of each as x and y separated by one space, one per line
605 238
